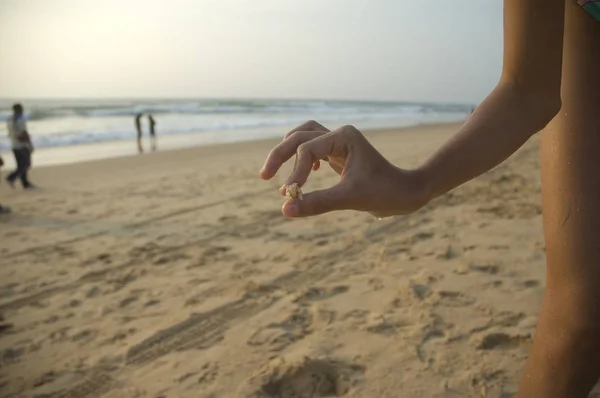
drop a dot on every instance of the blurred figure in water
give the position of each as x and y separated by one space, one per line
152 132
138 127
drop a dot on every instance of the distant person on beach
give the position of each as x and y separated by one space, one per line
138 127
3 209
21 146
550 81
152 124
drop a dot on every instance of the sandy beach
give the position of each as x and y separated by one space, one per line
174 274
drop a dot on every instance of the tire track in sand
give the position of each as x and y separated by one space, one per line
96 276
205 329
130 226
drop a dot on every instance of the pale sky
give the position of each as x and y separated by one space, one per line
417 50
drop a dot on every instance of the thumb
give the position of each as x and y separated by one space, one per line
338 197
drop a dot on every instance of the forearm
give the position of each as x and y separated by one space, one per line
497 128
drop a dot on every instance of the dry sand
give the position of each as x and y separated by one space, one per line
174 275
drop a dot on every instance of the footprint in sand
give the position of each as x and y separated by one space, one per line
255 289
511 211
84 336
118 280
280 258
170 258
9 290
126 301
4 326
151 303
531 283
434 330
51 319
412 294
46 378
307 377
118 337
383 325
316 293
421 236
12 354
397 250
449 254
145 251
502 319
277 336
356 315
454 299
490 384
508 318
376 283
208 373
104 257
59 335
420 291
502 341
491 269
377 323
497 283
228 218
93 292
215 251
212 254
73 303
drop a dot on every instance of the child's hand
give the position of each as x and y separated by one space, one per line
368 181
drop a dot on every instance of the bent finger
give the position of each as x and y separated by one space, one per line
335 143
284 151
307 154
311 125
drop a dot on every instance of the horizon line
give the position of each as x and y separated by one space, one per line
241 98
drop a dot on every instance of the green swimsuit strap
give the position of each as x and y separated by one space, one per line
592 7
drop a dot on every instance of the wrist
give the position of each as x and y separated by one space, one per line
412 191
425 184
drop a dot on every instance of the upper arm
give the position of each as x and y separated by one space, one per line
533 45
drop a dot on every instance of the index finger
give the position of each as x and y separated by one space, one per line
311 125
309 153
284 151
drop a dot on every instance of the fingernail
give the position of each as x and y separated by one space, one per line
290 209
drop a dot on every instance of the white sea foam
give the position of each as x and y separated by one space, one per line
72 122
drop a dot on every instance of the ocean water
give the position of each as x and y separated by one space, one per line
65 123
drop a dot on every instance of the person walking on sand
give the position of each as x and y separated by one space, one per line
138 127
549 82
3 209
21 146
152 124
